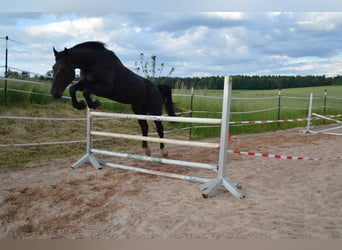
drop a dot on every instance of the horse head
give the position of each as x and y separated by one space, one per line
63 72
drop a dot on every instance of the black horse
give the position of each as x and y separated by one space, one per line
103 74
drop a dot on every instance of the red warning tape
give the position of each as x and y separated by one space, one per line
280 121
270 121
278 156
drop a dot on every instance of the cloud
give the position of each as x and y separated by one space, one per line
84 27
195 43
228 15
323 21
176 5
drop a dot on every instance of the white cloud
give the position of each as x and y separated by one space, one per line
228 15
214 43
314 66
187 43
325 21
176 5
84 27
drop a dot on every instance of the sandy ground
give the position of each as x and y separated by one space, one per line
284 199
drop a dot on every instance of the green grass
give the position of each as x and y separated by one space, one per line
296 107
30 104
37 131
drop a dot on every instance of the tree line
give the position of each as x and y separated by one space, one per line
153 72
149 69
216 82
250 82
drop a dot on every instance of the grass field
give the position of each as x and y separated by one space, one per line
294 104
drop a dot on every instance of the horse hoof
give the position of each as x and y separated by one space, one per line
96 104
147 151
164 153
80 105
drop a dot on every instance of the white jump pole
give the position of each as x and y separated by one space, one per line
158 118
309 115
325 131
154 139
210 187
326 117
159 173
89 155
156 159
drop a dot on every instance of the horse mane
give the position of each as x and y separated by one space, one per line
90 45
97 46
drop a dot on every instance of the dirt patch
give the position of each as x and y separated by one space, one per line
284 199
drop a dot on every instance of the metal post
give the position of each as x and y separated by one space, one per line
89 128
191 107
210 187
6 73
279 97
325 105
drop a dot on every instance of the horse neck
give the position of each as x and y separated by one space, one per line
85 59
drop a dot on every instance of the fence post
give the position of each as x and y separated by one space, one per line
6 73
279 98
325 104
309 114
191 111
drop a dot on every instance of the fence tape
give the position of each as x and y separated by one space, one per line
284 120
279 156
48 118
40 143
253 111
239 152
41 118
33 144
232 122
24 81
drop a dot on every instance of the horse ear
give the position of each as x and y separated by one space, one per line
54 51
66 51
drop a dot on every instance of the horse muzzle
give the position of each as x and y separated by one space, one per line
56 94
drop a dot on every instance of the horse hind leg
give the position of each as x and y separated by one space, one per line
160 130
164 152
91 104
144 129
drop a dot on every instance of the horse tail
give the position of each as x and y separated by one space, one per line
165 91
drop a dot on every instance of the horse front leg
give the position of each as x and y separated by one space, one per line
160 130
91 104
144 129
75 103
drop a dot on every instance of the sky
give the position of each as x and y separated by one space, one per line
197 38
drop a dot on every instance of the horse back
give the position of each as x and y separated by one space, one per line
109 78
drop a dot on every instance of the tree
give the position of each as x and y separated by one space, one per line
12 74
25 75
149 70
49 73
